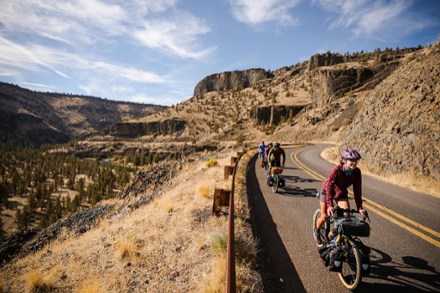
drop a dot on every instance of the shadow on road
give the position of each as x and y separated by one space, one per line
277 270
295 191
413 275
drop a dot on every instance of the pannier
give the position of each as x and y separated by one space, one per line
353 226
332 257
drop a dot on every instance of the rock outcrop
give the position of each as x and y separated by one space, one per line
398 128
330 83
137 129
231 80
326 59
275 114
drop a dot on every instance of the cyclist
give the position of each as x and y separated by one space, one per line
266 152
343 175
274 158
261 149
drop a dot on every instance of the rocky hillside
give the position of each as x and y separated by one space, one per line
385 103
34 118
398 123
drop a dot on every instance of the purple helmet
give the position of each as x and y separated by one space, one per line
350 154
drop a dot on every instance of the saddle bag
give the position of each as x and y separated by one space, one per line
353 227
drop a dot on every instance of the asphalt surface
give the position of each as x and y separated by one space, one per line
405 238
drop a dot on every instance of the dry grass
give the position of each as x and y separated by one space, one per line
204 191
127 247
36 282
89 287
164 246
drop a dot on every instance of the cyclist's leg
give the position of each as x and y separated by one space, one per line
343 203
321 220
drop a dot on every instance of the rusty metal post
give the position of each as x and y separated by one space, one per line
221 199
229 170
230 270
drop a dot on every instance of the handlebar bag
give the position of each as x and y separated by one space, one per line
353 227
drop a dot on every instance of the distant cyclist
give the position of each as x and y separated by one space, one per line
266 153
274 157
261 150
343 175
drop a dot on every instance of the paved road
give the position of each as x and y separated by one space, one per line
405 238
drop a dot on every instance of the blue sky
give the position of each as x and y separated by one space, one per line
155 51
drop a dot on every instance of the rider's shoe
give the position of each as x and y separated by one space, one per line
318 237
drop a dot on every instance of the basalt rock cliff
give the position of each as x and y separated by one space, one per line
231 80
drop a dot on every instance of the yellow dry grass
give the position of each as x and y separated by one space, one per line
36 282
204 191
89 286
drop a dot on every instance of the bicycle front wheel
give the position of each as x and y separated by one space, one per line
325 227
351 268
275 183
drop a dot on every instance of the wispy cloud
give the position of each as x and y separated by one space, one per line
39 86
254 13
372 18
129 73
34 57
83 22
176 36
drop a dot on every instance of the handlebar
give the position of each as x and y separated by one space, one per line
338 211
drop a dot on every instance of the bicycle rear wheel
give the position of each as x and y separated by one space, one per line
323 231
351 268
275 182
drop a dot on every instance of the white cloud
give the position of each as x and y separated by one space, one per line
258 12
176 36
128 73
372 18
32 57
39 86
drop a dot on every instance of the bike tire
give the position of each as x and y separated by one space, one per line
323 231
275 183
351 274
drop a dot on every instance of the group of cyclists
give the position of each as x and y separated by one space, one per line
271 155
334 189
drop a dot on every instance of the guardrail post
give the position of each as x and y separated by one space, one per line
221 199
229 170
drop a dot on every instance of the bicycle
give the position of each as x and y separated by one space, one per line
344 238
277 181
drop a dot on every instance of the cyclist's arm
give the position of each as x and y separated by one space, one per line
283 153
330 186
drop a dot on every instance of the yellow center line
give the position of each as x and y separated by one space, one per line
379 209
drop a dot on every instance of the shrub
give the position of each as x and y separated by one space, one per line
211 162
219 243
127 247
36 283
204 191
